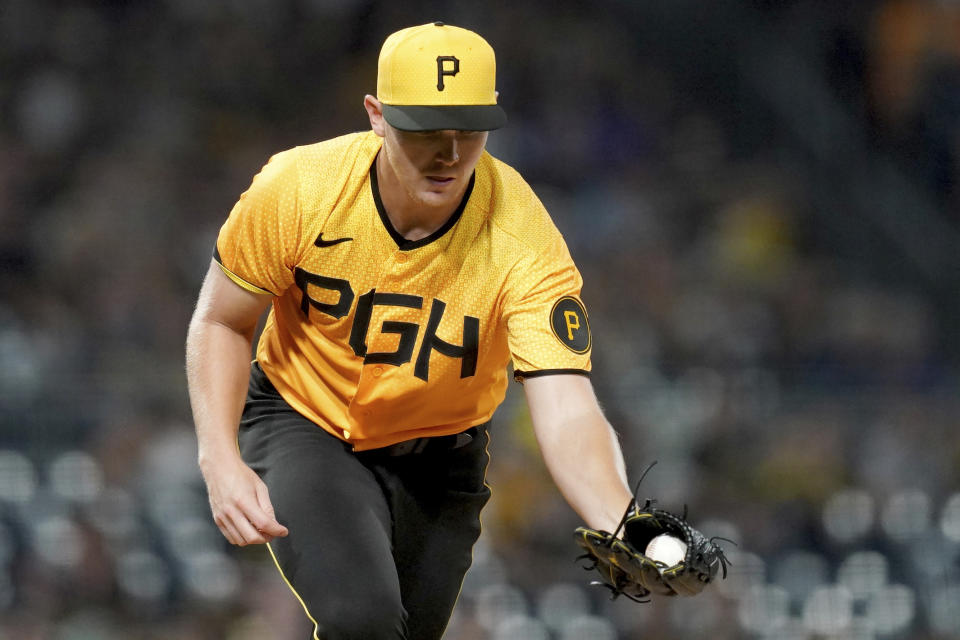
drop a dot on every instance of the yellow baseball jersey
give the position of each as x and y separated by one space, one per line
378 339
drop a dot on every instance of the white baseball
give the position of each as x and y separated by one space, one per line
666 549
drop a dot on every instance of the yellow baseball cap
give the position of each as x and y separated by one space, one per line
437 76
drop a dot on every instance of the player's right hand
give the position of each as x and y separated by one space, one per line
240 504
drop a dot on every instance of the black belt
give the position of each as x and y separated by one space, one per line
435 443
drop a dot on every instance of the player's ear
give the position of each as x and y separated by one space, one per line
375 113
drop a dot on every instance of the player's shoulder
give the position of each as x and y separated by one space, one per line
515 210
359 145
325 158
324 169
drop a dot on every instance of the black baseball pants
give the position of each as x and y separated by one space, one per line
379 541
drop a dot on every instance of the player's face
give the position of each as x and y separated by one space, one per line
434 167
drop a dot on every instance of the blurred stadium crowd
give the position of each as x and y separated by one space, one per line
763 197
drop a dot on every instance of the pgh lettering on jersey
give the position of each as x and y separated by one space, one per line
379 339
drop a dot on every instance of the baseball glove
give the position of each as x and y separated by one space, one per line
626 570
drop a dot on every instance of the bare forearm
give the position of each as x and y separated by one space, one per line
579 447
584 458
218 369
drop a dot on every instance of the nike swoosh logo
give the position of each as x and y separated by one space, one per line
320 242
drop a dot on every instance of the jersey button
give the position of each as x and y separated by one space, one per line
346 433
377 371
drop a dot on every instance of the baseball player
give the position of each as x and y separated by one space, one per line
404 268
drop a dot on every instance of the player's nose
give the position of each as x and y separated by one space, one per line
448 151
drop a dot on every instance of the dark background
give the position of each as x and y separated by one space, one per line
763 198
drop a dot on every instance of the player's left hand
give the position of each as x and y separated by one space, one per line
625 568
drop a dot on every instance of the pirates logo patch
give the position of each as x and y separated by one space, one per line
568 320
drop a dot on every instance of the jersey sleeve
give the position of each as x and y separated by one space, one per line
547 326
258 244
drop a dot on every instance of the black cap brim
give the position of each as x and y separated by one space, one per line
482 117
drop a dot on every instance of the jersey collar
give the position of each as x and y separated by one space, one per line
402 243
